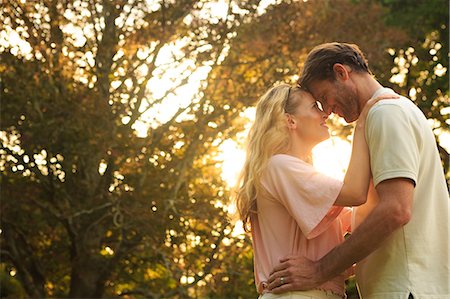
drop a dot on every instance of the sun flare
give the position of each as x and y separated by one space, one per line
330 157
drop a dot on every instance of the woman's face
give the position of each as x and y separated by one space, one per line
310 120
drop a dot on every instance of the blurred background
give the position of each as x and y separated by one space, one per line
123 124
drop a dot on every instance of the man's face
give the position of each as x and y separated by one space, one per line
337 97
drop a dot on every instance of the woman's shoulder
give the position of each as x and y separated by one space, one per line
280 160
286 162
286 158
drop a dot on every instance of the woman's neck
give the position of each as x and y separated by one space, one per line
301 151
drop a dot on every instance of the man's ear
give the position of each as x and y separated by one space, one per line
290 121
341 71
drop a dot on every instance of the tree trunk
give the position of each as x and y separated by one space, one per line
86 278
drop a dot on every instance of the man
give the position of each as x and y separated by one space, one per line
401 242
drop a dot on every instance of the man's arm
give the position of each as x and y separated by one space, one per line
392 212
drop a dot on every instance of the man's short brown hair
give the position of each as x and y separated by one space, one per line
320 61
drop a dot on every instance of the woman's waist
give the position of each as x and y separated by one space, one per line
335 285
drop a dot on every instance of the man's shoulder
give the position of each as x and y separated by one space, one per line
401 106
400 102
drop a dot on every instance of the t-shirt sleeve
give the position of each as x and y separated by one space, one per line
307 195
393 143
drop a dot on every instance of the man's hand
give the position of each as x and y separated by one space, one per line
294 273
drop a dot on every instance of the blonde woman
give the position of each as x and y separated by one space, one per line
290 208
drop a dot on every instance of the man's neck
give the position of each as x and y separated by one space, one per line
367 86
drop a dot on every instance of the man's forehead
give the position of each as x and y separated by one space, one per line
315 88
321 86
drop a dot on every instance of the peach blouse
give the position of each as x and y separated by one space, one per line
296 216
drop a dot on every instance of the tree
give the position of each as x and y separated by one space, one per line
89 207
420 65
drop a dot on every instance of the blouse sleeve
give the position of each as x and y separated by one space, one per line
307 195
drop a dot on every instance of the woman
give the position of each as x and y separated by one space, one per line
291 208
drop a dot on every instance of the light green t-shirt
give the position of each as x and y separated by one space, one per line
415 258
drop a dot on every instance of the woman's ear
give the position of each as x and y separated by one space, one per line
290 121
341 71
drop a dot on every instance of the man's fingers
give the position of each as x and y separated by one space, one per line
289 286
287 258
275 277
279 267
282 289
281 279
283 264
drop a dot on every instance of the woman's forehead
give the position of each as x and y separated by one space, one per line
305 97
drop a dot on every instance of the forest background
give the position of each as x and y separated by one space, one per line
113 114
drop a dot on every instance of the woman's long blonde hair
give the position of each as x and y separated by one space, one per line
268 136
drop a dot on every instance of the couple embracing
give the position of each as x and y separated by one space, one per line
399 223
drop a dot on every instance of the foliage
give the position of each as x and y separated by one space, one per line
89 207
421 64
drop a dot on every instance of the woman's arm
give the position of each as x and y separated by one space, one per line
357 177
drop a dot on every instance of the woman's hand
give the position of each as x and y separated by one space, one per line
369 104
